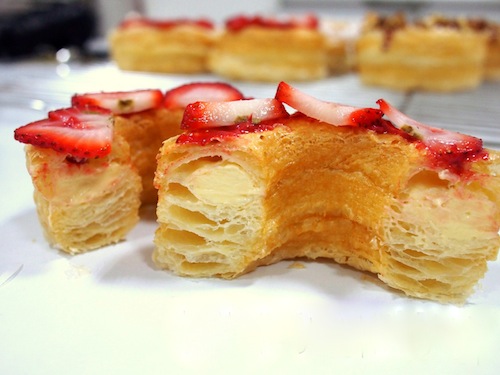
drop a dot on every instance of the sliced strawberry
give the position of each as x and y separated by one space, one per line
331 113
216 114
181 96
449 150
308 21
165 24
437 139
74 114
120 102
79 133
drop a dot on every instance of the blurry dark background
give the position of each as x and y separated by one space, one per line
33 27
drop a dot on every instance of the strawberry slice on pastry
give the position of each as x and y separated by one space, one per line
82 134
448 151
438 140
181 96
329 112
219 114
120 102
307 21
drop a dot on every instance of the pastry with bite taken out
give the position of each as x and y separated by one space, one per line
249 185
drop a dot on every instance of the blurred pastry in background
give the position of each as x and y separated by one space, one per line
431 54
162 46
492 61
341 39
270 49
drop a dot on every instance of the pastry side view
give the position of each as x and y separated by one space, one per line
379 200
243 183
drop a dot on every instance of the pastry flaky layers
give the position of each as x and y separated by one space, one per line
92 164
415 205
246 184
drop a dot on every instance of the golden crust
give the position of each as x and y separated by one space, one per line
145 132
85 206
266 54
151 49
353 196
436 59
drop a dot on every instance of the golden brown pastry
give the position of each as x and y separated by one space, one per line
417 206
164 46
93 164
433 54
86 189
270 49
145 132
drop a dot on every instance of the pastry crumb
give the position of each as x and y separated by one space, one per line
297 265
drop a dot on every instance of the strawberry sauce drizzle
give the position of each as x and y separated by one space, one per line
372 119
166 24
451 157
239 23
210 135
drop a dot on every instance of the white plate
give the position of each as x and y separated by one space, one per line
112 312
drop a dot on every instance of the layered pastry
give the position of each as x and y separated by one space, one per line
92 165
155 117
165 46
432 54
247 185
86 189
270 49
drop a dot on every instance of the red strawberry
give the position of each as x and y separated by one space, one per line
308 21
181 96
120 102
80 133
449 150
73 114
331 113
165 24
437 139
216 114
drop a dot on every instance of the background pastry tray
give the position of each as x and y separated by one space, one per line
112 312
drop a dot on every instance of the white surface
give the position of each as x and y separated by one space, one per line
112 312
